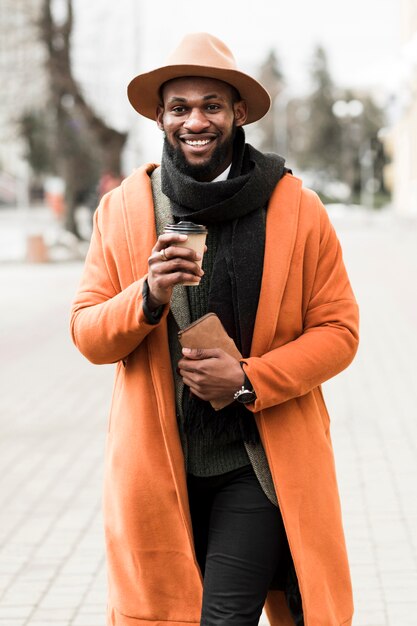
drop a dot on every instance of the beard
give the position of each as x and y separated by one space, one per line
203 171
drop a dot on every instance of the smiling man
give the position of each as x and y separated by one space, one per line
200 124
212 515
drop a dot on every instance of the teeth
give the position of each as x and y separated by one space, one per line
198 142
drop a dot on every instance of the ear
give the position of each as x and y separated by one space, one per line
240 109
159 116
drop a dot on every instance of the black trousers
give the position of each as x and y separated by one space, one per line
239 540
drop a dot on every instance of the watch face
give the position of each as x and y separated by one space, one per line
246 396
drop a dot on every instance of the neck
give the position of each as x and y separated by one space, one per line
223 175
209 177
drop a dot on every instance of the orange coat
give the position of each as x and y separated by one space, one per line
306 331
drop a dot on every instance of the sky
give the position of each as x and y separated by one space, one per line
114 42
362 36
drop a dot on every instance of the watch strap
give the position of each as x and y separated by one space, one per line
246 383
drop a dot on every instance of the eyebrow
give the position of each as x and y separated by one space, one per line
211 96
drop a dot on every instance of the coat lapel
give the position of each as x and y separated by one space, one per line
163 215
138 218
150 224
281 231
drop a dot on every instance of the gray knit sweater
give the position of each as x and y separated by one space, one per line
255 452
206 455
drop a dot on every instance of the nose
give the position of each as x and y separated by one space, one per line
196 121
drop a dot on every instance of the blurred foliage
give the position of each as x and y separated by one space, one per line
271 77
320 148
332 152
35 129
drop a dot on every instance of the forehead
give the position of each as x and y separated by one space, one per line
194 87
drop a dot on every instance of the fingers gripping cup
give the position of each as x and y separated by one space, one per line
196 234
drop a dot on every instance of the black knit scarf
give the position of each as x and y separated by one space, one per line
238 203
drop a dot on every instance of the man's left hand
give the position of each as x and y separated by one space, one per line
211 373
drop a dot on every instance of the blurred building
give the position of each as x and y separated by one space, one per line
404 136
23 88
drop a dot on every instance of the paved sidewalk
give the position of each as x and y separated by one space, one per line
53 413
374 409
53 407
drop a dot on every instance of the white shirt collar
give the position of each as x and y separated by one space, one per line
223 175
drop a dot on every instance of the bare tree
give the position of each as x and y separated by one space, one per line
270 75
78 127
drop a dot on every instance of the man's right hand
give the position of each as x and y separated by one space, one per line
170 265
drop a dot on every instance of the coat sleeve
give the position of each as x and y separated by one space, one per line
329 339
107 322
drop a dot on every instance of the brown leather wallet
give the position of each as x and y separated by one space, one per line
208 332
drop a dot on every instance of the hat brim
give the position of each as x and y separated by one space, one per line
144 90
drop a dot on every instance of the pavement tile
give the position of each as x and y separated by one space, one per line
15 611
53 614
47 622
403 613
96 619
370 618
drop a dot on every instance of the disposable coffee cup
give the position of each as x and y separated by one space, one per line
196 234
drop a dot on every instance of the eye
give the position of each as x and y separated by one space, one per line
213 107
178 109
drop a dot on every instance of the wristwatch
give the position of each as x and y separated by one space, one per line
246 394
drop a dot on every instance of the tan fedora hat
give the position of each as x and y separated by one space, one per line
198 54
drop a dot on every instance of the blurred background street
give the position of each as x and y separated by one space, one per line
344 82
